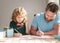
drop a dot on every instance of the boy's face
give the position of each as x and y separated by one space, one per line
49 15
19 18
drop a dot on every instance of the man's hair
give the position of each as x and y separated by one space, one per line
53 7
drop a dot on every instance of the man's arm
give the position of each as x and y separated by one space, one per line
34 31
54 31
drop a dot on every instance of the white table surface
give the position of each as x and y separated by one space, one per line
29 39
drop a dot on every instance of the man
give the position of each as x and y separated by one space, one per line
46 23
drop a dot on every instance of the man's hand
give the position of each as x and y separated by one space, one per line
39 33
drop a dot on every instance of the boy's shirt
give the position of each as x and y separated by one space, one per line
21 29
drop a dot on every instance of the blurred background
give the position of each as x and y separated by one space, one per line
32 7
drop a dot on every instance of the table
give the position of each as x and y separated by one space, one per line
29 39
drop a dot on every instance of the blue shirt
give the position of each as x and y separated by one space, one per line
42 25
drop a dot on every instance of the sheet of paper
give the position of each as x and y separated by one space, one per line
31 36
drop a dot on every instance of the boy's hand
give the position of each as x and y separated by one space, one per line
17 34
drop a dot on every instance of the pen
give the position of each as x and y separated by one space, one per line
42 32
17 31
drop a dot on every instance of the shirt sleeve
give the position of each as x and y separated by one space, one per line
12 24
34 22
57 18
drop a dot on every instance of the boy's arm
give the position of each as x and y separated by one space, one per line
27 28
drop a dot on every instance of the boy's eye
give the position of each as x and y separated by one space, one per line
19 17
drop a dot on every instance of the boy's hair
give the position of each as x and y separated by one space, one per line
53 7
19 11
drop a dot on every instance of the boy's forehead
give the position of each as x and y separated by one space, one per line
20 15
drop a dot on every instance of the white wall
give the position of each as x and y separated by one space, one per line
56 1
59 4
31 6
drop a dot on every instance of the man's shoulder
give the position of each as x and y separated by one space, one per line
39 14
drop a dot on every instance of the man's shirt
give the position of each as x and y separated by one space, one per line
42 25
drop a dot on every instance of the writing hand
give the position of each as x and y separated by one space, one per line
39 33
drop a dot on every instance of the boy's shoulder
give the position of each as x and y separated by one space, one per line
12 22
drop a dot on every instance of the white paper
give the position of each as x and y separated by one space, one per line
31 36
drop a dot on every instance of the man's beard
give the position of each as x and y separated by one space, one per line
47 19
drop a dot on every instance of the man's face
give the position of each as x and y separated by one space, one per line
49 15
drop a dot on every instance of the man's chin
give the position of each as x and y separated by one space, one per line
50 20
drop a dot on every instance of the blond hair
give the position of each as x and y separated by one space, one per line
19 11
